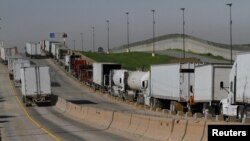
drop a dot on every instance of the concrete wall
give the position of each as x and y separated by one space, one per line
191 44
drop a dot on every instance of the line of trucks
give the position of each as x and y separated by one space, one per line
33 81
195 87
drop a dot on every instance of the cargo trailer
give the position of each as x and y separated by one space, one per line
33 50
206 91
101 73
35 85
170 85
17 65
11 60
237 103
7 52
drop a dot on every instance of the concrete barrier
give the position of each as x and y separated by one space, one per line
195 130
98 116
121 121
179 130
139 124
61 104
68 107
159 128
75 110
205 135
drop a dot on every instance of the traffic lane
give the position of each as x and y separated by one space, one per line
77 93
69 128
16 126
179 54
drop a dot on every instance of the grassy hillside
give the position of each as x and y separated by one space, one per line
132 60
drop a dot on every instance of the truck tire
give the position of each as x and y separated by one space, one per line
241 112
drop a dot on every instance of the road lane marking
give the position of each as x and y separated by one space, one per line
47 131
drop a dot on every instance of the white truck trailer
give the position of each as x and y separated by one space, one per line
7 52
17 65
238 101
54 49
35 85
170 85
33 50
101 73
11 60
206 91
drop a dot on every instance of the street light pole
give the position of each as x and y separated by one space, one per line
153 53
82 40
108 34
127 13
93 38
183 34
74 45
231 46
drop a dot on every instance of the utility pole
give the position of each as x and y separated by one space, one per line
153 53
93 38
82 40
108 34
127 13
231 46
183 34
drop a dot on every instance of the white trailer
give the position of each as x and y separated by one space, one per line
206 91
35 85
170 85
17 65
238 101
33 50
7 52
55 47
11 60
101 73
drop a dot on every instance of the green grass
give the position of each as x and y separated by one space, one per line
130 61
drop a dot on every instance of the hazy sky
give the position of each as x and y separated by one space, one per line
33 20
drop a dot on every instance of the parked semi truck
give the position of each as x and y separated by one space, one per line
7 52
129 85
17 65
101 74
33 50
207 92
11 60
237 103
171 85
35 85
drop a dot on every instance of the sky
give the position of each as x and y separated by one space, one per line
33 20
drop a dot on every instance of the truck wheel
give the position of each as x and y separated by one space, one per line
241 112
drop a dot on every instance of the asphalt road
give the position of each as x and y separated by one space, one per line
14 123
17 126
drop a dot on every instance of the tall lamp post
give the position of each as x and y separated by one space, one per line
127 13
183 34
231 46
153 53
82 40
93 38
108 34
74 41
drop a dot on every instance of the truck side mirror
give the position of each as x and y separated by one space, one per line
221 85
